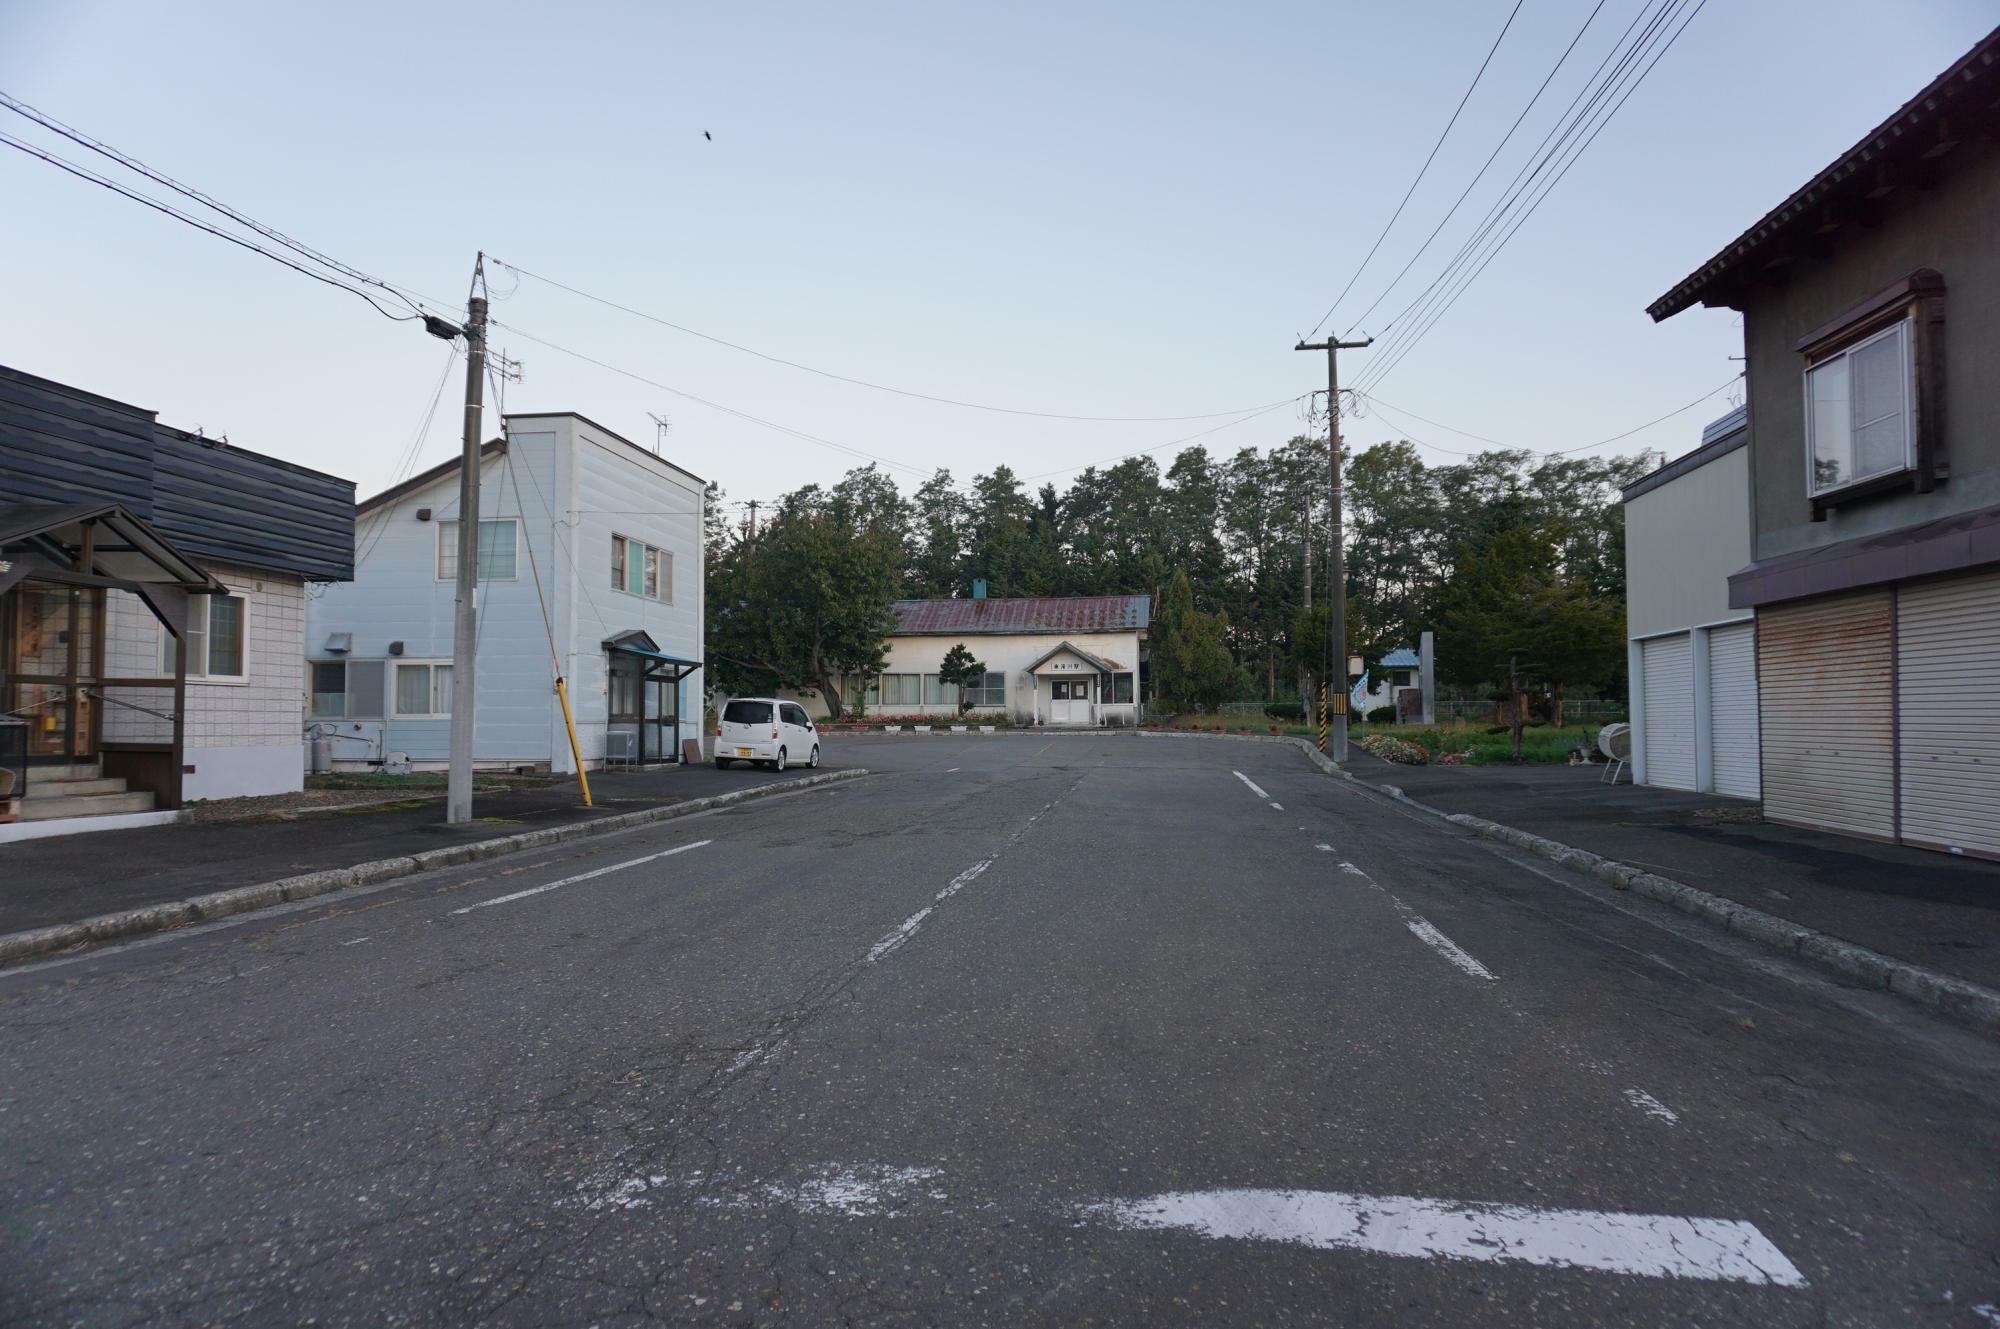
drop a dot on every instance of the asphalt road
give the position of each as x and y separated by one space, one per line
1020 1030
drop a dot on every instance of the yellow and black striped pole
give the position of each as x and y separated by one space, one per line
1322 717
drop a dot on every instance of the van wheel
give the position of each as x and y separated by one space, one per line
722 763
779 764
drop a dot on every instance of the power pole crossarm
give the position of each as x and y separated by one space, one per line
1337 572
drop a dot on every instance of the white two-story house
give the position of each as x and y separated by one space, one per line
586 538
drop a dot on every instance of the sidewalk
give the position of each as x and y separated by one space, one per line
70 877
1926 908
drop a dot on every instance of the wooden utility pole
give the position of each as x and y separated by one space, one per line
1337 573
465 621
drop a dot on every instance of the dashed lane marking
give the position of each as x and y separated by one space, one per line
1652 1106
1253 785
1426 931
581 876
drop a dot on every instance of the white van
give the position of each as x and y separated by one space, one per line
767 731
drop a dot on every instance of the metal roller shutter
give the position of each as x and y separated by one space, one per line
1948 699
1823 693
1732 708
1668 698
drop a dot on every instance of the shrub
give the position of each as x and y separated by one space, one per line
1381 715
1286 710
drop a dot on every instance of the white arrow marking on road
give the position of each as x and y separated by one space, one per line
1654 1245
581 876
1252 783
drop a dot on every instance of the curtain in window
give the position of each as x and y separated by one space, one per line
225 635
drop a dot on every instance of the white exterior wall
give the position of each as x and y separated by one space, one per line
1002 653
241 738
569 485
617 488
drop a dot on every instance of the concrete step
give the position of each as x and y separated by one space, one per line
85 805
83 770
46 787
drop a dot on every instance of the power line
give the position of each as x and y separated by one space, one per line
409 461
1491 157
77 136
714 405
1579 111
1378 404
1112 461
862 382
85 173
1378 370
1387 227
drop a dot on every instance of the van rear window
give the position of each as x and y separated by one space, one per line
747 712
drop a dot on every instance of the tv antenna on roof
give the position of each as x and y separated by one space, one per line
661 426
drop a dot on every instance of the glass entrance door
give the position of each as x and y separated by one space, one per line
49 657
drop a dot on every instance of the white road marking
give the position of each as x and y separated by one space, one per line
908 927
354 941
581 876
1252 783
1652 1106
1989 1313
951 770
1279 806
1653 1245
1426 931
1324 848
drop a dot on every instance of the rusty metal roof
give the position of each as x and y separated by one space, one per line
1052 615
1955 106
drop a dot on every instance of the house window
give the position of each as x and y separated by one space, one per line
497 541
1121 688
346 689
937 692
641 569
218 628
992 691
1858 416
1402 678
423 690
901 690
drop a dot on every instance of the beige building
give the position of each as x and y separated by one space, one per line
1068 660
1693 659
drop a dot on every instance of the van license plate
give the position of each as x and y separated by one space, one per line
744 752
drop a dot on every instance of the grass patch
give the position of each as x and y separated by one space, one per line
375 780
1229 724
1542 747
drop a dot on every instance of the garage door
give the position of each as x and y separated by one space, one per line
1732 708
1823 692
1668 697
1948 694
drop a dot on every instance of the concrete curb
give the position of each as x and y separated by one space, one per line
1959 999
18 946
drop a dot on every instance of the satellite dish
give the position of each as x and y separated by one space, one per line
1615 742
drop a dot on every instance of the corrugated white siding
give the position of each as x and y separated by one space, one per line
1732 708
1948 681
1669 711
1823 685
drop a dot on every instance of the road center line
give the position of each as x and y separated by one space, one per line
1655 1245
1425 931
1253 785
581 876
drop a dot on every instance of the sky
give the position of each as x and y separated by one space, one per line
1110 210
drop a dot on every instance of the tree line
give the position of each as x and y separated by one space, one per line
1505 553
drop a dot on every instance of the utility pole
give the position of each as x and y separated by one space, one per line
1337 573
465 622
753 521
